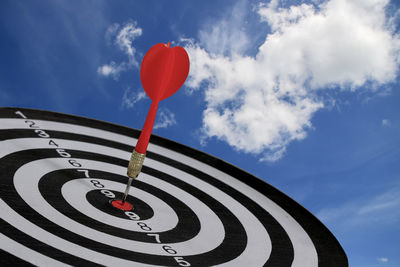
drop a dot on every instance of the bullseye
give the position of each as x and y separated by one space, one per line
122 205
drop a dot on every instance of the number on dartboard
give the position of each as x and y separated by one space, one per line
156 236
181 261
133 216
86 172
169 249
20 114
144 226
31 124
42 133
97 184
74 163
52 143
107 193
63 154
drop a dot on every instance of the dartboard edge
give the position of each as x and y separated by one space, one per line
58 173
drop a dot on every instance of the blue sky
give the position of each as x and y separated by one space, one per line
303 94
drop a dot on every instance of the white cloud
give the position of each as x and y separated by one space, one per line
261 104
383 259
227 35
164 119
130 98
386 122
112 69
122 37
382 208
345 43
111 32
125 37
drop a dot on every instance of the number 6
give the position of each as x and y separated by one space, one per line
169 249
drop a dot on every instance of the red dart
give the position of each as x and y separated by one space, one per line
163 71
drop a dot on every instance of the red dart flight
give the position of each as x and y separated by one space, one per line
163 72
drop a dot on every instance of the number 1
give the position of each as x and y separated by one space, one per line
21 114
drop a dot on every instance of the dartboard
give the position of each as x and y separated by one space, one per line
59 172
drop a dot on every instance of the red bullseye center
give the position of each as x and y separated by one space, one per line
122 205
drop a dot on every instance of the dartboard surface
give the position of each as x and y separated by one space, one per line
58 173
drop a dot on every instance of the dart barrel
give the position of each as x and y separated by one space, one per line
135 164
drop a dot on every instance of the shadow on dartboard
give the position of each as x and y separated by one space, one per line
59 172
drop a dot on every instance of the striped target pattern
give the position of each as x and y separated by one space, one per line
59 172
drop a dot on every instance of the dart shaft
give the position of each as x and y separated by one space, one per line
143 142
127 189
